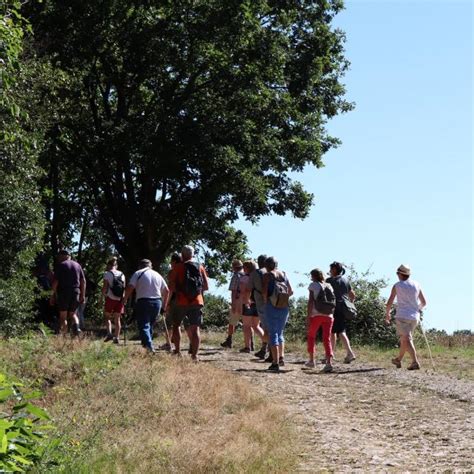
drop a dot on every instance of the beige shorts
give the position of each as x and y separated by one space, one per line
406 327
234 318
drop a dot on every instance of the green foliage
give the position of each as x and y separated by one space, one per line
183 116
215 312
20 207
23 439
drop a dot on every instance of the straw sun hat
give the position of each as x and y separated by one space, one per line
404 270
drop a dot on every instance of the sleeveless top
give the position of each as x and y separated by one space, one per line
407 299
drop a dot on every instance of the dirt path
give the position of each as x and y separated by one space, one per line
364 418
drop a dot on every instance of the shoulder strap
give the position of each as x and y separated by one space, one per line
141 274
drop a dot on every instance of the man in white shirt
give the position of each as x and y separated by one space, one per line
410 300
151 295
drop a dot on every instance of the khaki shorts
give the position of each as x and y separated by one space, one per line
406 327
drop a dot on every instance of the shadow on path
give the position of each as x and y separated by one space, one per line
339 372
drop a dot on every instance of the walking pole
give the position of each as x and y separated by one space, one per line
426 341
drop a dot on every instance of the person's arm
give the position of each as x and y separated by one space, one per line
82 288
422 299
290 289
128 292
310 303
205 280
388 307
265 283
165 293
352 296
54 289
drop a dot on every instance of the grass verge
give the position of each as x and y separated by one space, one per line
118 410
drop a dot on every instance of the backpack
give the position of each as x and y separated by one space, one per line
117 287
192 285
325 302
280 298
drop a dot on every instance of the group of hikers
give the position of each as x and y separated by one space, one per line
259 301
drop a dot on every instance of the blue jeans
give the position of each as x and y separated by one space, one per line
276 319
146 311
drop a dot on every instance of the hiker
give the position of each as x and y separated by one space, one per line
410 301
173 319
236 302
113 289
81 310
343 291
68 291
321 306
189 281
276 293
151 294
250 319
256 286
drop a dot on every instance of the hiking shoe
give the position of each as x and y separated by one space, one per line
261 353
414 366
274 368
165 347
176 353
150 350
310 364
281 361
190 350
397 362
115 340
245 350
327 368
76 331
349 358
227 344
108 338
269 358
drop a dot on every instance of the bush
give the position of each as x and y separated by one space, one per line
23 442
216 312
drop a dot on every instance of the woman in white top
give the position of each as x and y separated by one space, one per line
320 314
410 300
112 289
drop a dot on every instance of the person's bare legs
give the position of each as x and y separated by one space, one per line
63 322
333 341
117 324
275 351
247 329
256 327
281 349
347 345
195 340
177 337
403 347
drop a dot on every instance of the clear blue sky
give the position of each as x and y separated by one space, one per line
399 189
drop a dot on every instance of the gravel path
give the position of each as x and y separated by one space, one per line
363 418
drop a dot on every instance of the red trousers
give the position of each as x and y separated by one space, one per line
314 324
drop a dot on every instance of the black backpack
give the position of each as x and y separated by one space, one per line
117 287
193 283
325 302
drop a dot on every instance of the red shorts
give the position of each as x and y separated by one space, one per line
113 306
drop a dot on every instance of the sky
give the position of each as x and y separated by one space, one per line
399 188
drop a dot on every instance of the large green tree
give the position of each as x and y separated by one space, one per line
182 116
21 220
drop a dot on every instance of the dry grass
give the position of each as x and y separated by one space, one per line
121 411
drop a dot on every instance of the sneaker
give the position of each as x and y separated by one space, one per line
76 332
176 353
281 361
269 358
227 344
274 368
245 350
115 340
261 353
165 347
327 368
414 366
310 364
108 338
151 350
349 358
397 362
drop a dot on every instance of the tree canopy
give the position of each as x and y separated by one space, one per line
173 119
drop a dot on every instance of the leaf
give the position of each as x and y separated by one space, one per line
5 424
3 444
21 460
37 411
33 395
6 393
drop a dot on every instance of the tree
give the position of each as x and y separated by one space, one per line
20 207
184 116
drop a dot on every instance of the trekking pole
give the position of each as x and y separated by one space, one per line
166 327
427 343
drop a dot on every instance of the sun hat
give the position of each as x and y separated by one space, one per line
237 263
404 270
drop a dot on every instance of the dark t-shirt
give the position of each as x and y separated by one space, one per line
69 275
340 285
